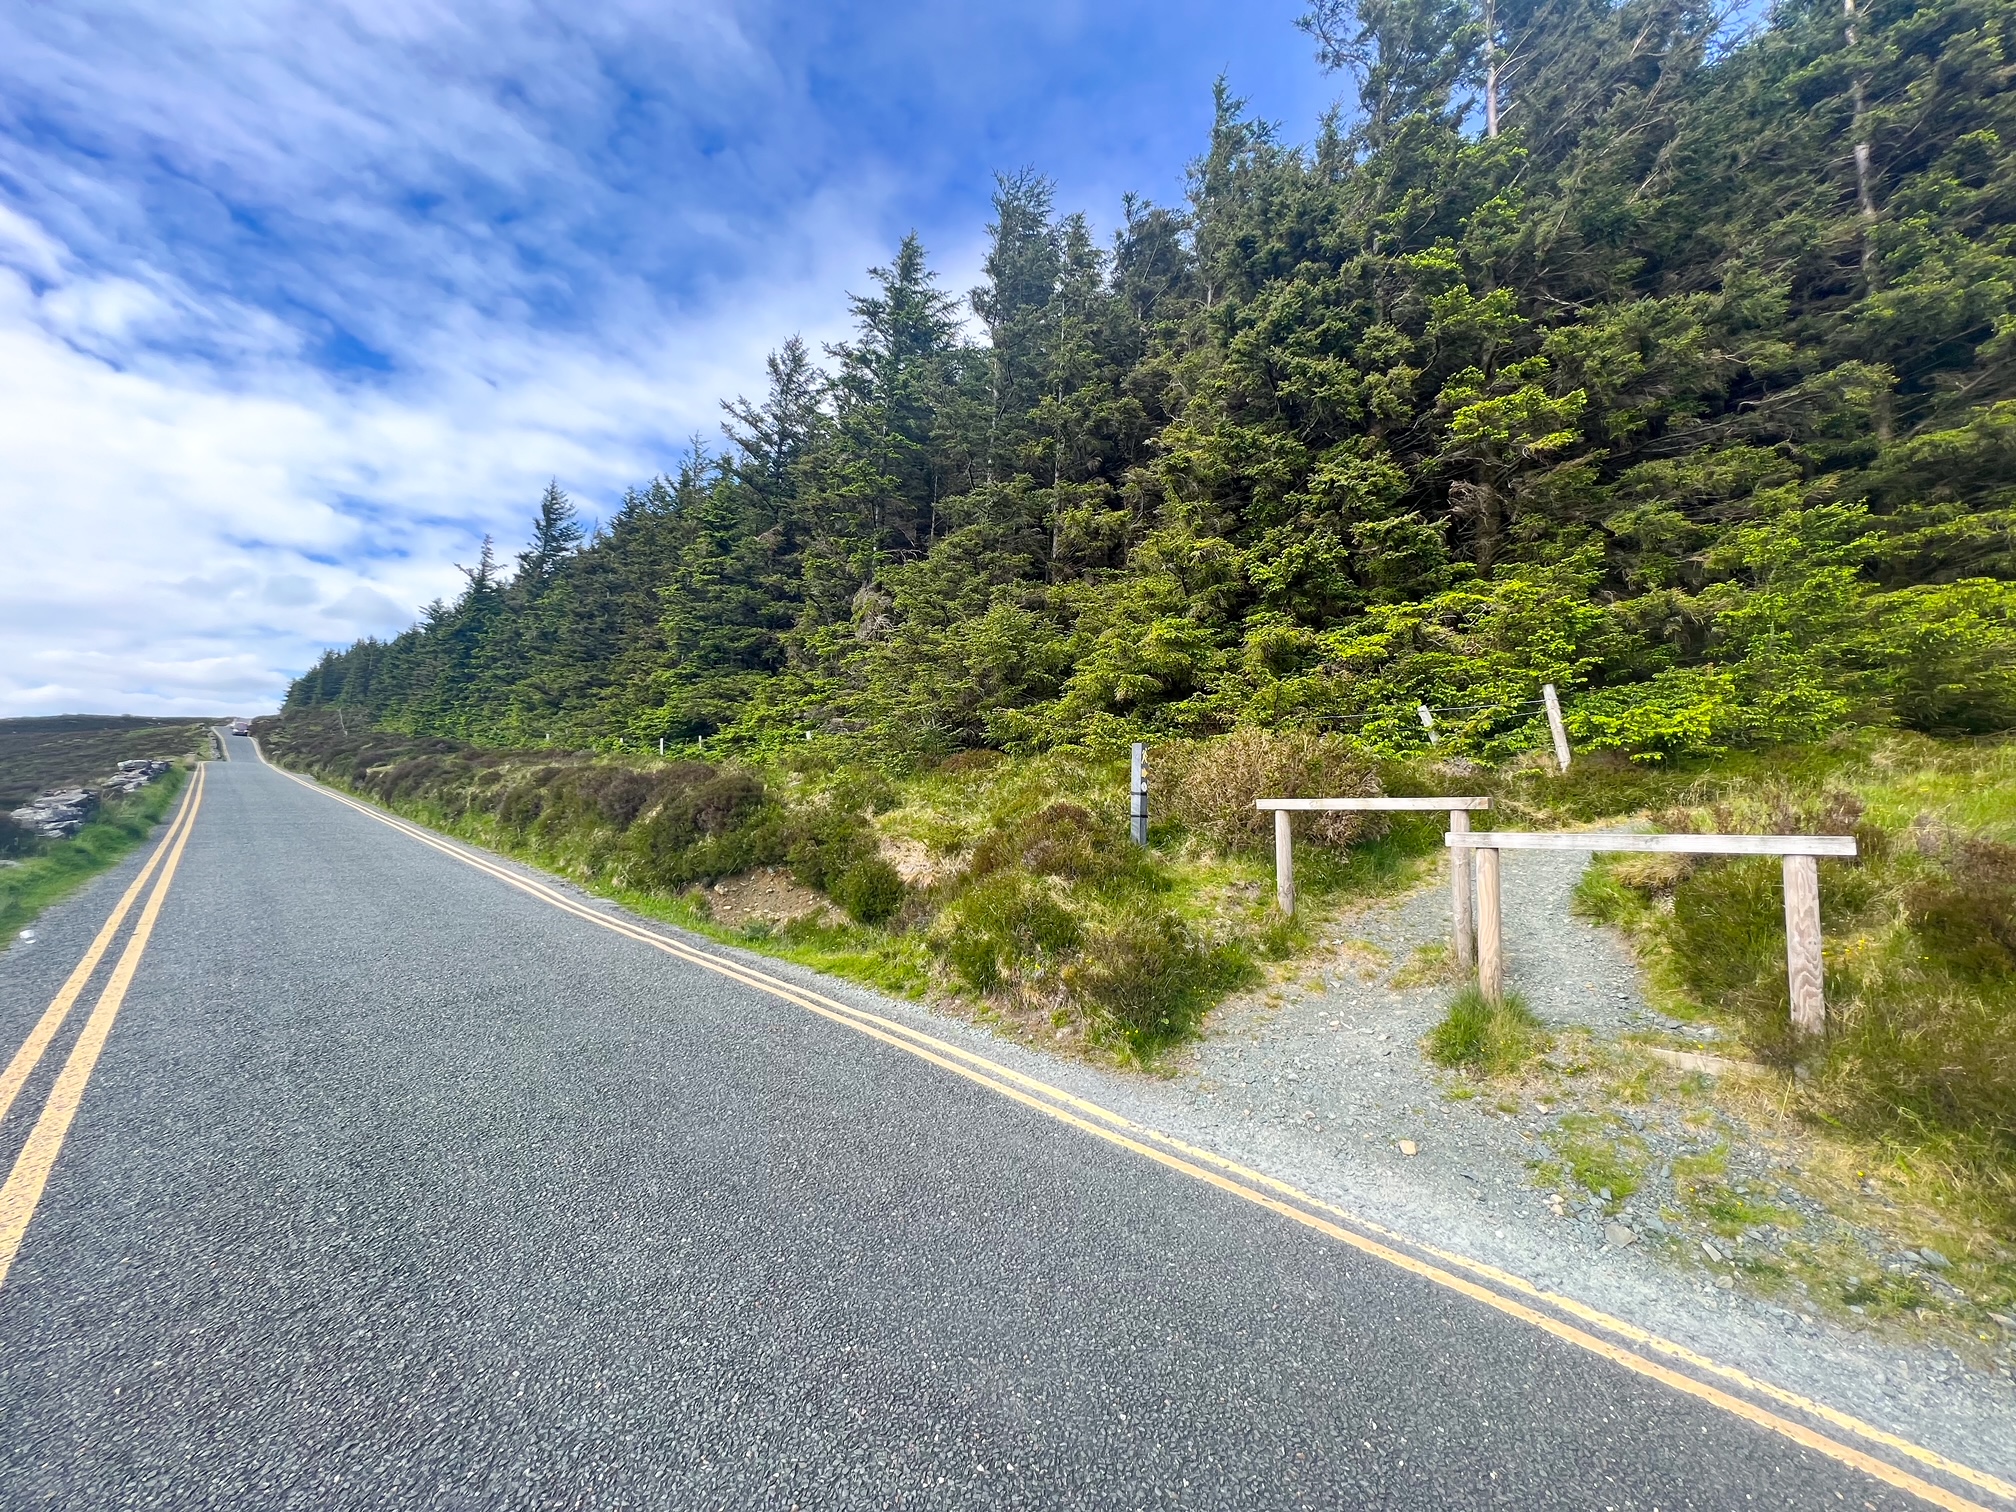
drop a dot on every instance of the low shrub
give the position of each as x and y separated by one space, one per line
1061 840
824 844
1147 979
870 891
17 839
1007 929
1210 785
1493 1039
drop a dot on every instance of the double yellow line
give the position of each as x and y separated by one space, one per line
1483 1283
30 1175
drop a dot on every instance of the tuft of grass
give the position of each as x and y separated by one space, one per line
1494 1039
1429 965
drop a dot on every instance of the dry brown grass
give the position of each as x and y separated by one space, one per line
1210 786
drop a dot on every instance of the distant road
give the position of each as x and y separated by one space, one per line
396 1185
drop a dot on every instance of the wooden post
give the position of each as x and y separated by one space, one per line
1462 937
1137 794
1553 702
1803 970
1284 861
1490 942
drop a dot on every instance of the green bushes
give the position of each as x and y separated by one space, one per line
870 890
1493 1039
1009 929
1149 979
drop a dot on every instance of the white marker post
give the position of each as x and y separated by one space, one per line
1137 794
1427 721
1553 702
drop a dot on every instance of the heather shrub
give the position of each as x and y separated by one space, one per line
1007 929
1147 979
870 891
1210 785
1060 840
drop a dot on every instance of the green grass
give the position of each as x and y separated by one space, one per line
63 866
1492 1039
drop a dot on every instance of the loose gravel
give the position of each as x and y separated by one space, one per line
1323 1086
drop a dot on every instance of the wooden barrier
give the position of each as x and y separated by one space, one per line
1801 853
1458 810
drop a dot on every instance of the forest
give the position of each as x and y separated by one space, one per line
1597 345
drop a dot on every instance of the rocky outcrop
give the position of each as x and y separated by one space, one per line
60 813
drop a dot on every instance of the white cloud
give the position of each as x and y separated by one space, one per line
297 300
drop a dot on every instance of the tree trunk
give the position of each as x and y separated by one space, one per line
1491 68
1865 193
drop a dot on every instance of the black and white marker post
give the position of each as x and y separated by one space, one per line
1137 793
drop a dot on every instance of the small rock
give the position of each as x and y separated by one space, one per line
1725 1283
1934 1259
1604 1193
1408 1147
1616 1236
1653 1223
1711 1252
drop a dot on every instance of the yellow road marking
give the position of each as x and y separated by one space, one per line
25 1060
23 1192
1118 1130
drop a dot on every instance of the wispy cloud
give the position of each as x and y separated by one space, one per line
298 300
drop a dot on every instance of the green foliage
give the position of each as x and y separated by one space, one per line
1493 1039
1008 928
1644 395
870 890
1920 1047
1148 979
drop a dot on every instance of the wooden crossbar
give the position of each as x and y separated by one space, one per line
1804 964
1381 805
1625 840
1459 811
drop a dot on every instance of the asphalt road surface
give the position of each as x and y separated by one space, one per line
397 1187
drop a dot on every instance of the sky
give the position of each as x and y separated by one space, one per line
299 301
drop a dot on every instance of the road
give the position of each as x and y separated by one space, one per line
396 1185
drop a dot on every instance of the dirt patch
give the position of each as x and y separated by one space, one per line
768 895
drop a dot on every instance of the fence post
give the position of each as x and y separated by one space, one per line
1462 937
1137 794
1553 702
1490 941
1284 861
1427 722
1803 967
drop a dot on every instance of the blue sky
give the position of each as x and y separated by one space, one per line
297 301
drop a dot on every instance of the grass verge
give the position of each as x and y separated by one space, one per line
63 866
